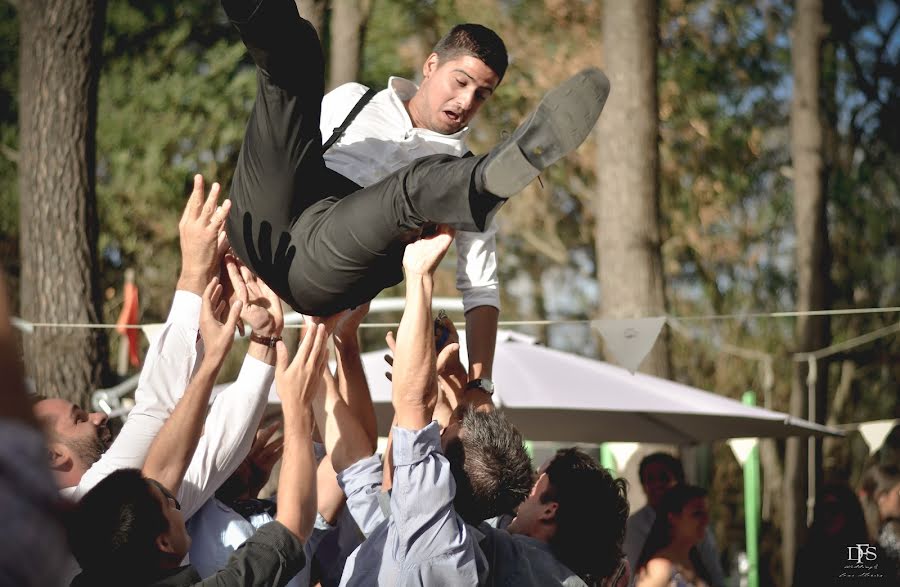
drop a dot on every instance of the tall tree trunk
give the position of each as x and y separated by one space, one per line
59 54
628 236
347 26
812 258
314 12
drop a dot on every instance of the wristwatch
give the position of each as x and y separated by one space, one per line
268 341
484 384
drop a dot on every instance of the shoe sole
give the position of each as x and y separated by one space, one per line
562 121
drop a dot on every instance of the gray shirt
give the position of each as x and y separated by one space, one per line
424 541
517 560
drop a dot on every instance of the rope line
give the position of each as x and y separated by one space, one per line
25 324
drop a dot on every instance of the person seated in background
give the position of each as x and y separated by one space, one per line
658 473
670 555
880 496
129 528
838 522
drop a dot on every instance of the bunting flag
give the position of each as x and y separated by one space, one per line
629 340
621 452
129 316
151 331
875 432
741 448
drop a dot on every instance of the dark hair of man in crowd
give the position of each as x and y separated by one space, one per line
664 458
660 536
590 516
476 41
113 530
490 465
875 481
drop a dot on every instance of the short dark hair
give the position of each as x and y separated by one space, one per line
490 465
591 512
660 535
477 41
663 458
113 529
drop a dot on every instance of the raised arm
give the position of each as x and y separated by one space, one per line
414 377
173 449
351 378
175 350
296 383
476 279
236 412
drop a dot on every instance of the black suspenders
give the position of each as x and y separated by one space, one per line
339 131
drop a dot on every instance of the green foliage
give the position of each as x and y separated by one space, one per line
174 97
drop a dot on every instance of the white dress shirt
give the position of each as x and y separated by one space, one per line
217 530
230 426
381 140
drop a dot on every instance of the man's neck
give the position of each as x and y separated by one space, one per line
68 479
412 109
541 532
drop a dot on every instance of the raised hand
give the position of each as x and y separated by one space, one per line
261 306
297 381
217 322
348 323
423 256
263 455
446 344
202 239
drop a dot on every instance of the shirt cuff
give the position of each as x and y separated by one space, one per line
488 295
361 474
185 309
413 446
255 375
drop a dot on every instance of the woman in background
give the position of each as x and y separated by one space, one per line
670 557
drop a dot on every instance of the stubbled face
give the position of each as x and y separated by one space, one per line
889 503
176 539
451 93
689 525
84 433
657 479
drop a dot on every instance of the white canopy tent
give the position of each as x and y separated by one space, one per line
551 395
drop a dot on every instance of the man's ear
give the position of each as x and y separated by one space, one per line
548 512
430 65
164 544
60 456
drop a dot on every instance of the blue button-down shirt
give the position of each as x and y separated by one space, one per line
424 541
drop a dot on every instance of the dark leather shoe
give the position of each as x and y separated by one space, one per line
561 122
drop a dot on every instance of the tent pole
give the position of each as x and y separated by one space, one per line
751 505
607 460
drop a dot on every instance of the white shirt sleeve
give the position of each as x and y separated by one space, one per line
476 268
168 367
228 435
